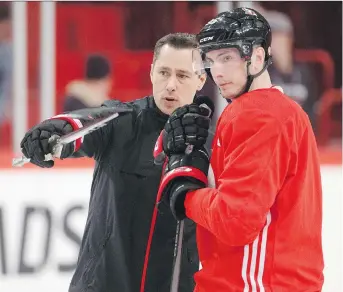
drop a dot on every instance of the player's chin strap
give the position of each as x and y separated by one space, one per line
250 78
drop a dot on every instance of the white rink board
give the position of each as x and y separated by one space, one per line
58 191
44 194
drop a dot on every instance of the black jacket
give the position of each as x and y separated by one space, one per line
123 196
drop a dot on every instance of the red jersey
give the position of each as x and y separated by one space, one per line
259 227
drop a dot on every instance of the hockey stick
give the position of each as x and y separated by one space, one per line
180 227
58 141
161 158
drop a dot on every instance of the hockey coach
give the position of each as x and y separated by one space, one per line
125 182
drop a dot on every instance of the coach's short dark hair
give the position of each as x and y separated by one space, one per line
179 40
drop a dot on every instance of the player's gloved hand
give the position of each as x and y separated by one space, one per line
35 144
184 173
186 125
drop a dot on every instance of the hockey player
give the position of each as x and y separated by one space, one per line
125 183
259 225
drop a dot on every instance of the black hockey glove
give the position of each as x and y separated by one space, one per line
183 173
186 125
35 144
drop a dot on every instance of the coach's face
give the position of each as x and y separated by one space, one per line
174 83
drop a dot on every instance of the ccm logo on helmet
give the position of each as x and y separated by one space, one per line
206 39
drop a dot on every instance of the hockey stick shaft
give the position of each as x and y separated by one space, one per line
177 256
178 246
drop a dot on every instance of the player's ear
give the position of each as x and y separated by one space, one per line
202 80
260 56
257 59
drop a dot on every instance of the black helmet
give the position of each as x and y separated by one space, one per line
241 28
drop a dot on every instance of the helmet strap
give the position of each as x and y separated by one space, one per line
250 78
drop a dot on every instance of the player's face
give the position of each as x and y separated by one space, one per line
229 71
174 83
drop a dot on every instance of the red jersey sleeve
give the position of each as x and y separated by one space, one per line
256 156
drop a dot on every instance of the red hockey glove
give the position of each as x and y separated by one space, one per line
183 173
